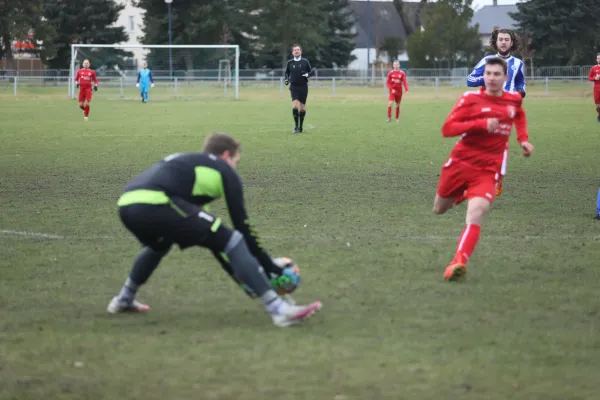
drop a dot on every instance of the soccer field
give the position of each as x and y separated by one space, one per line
350 200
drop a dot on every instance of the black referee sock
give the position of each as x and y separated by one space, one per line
302 115
295 112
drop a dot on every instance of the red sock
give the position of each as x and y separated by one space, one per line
397 112
466 243
86 111
389 111
82 107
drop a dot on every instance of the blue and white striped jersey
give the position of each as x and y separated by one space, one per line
516 79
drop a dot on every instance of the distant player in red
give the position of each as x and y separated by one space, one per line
484 120
395 79
84 78
595 77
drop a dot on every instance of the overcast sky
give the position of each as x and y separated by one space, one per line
477 3
481 3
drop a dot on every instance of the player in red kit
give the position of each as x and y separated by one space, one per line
595 77
84 78
484 121
395 79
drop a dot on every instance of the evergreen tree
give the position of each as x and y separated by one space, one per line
285 22
208 22
89 22
17 20
337 49
446 40
563 33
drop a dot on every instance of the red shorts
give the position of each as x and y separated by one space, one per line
395 97
457 177
85 94
596 95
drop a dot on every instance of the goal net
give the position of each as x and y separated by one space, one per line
179 71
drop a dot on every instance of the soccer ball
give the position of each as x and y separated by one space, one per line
289 281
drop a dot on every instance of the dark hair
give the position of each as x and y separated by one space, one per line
497 61
514 38
296 45
219 143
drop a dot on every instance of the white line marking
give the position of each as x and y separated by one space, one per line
52 236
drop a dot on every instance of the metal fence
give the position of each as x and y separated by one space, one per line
214 82
575 71
116 88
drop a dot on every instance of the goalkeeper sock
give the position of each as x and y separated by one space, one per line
245 267
295 113
143 266
302 115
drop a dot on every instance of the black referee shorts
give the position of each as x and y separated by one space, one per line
159 226
299 93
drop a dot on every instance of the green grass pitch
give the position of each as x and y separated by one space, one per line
350 200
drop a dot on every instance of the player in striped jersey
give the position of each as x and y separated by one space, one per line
505 42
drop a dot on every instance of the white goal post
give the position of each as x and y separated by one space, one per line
184 71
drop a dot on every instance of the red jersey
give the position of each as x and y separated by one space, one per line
477 147
85 76
595 70
395 80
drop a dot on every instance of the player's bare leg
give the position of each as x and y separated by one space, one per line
443 204
389 111
476 209
301 116
295 105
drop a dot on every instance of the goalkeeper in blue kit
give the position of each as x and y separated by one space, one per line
144 82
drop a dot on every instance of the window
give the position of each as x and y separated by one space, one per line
131 23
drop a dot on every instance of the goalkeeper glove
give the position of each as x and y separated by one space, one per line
152 85
522 91
77 85
288 280
95 88
305 75
137 85
286 82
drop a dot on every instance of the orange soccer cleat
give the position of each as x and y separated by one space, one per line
499 187
455 271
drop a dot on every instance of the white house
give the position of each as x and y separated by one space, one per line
131 19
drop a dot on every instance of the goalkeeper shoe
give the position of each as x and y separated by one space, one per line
455 271
117 305
288 315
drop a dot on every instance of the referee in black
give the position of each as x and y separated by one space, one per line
297 72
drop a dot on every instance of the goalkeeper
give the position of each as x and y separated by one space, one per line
165 205
144 82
